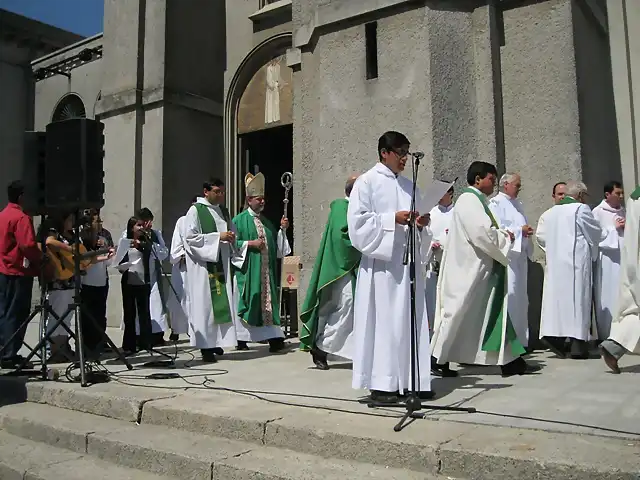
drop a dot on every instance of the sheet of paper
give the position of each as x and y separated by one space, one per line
431 195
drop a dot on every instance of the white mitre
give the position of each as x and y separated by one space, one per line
254 185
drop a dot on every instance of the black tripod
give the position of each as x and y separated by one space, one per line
48 330
412 403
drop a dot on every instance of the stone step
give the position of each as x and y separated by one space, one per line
22 459
453 448
176 453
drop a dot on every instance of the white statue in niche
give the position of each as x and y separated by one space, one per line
272 97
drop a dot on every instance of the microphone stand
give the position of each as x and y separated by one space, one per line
412 403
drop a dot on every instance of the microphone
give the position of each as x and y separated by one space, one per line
418 155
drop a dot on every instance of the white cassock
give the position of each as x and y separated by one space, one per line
249 333
465 287
625 328
160 252
607 272
177 301
201 248
510 216
570 234
440 221
382 322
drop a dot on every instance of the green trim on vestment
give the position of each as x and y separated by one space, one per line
249 277
492 341
567 201
336 258
217 283
635 195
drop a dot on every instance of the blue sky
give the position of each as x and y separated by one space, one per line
78 16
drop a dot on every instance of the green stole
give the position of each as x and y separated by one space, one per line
635 195
567 200
217 283
492 341
249 277
336 258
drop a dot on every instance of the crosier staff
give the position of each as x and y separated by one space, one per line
286 180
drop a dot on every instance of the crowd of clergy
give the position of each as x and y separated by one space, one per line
471 302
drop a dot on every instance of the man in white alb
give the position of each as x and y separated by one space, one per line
177 302
571 235
510 216
625 328
208 242
611 215
472 324
377 219
557 194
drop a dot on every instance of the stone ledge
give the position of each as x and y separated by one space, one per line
114 103
338 11
435 447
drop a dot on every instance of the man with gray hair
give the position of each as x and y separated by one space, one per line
571 235
510 216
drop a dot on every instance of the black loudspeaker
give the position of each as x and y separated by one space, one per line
74 174
35 151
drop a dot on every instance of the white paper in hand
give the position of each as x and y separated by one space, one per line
431 195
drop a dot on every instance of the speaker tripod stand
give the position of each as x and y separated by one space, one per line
47 330
413 404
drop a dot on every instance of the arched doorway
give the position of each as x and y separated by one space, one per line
259 125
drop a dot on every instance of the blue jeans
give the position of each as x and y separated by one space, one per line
15 304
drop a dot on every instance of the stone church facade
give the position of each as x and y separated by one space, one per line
188 90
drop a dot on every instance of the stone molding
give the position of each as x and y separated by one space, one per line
117 102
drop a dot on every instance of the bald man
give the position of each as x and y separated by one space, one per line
327 312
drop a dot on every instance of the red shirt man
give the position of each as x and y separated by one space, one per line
19 261
19 252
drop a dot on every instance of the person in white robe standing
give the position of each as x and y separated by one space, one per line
439 225
510 216
377 219
177 303
472 323
557 194
571 235
611 215
209 237
625 328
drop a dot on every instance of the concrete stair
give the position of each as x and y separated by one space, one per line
45 442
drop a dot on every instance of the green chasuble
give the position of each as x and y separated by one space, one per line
217 283
492 341
336 258
248 277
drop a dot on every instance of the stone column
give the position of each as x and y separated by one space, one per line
161 103
624 21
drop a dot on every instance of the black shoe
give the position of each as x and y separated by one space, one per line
443 370
385 397
242 345
15 362
319 359
610 360
555 346
277 345
174 337
218 351
518 367
423 395
208 355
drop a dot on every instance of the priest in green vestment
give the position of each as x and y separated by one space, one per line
327 312
258 313
472 323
